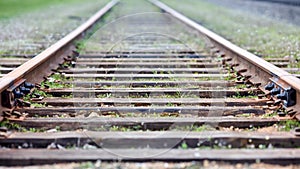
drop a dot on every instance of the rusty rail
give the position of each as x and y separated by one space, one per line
35 69
258 70
152 105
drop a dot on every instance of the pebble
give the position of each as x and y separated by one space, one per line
239 165
93 114
52 146
51 131
88 147
206 163
60 147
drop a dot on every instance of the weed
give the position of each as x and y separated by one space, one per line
58 77
27 97
38 105
240 86
184 145
37 92
272 114
12 126
237 95
80 45
55 81
106 95
118 128
86 165
58 128
169 104
288 125
34 130
67 96
249 95
202 128
194 128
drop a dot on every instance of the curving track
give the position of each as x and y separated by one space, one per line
145 87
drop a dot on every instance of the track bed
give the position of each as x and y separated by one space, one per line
145 87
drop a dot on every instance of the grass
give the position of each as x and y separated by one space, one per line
86 165
11 8
80 45
288 125
18 127
192 128
259 35
27 23
56 81
107 95
249 95
184 145
38 105
35 94
11 126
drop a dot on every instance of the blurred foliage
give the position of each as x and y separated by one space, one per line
9 8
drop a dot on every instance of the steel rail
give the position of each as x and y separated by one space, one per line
261 71
72 117
35 69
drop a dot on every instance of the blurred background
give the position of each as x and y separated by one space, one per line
267 28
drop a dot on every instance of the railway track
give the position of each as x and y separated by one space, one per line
146 88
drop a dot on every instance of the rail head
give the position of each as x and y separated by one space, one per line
35 69
261 71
